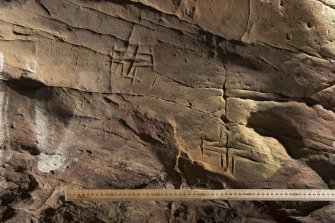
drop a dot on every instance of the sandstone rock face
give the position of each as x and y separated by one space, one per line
165 94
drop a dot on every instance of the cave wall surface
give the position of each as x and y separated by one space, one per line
165 94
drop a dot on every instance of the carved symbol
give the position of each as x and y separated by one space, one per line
217 150
130 60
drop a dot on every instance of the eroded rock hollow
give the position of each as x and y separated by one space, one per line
165 94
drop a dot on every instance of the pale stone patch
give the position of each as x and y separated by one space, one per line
46 163
2 121
41 126
5 155
32 65
1 62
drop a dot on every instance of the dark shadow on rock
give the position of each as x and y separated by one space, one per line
325 169
40 92
25 83
197 176
158 135
268 124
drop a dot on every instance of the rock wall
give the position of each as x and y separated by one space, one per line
165 94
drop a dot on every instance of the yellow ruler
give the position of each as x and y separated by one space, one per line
199 194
